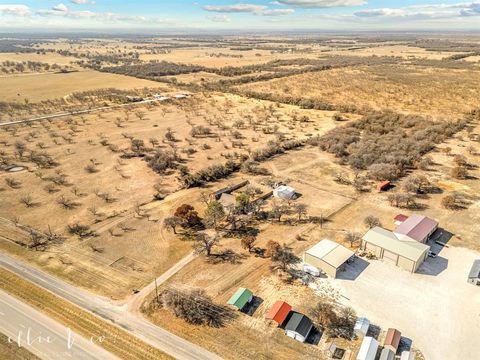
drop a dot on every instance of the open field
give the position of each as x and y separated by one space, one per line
41 87
423 90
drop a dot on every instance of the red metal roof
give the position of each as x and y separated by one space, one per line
400 217
278 312
383 185
393 338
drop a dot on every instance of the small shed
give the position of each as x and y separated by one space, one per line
328 256
368 349
330 350
387 354
384 186
279 312
241 298
392 339
474 275
407 355
284 192
298 327
361 326
228 201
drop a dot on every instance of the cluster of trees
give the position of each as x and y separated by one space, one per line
11 67
387 144
195 307
335 321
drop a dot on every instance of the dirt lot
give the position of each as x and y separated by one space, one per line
435 308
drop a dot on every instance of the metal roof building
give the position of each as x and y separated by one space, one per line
368 349
406 253
327 256
474 275
284 192
241 298
298 327
361 326
416 227
278 312
387 354
392 339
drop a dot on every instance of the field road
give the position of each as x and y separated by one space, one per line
165 341
30 329
80 112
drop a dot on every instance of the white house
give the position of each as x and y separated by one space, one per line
368 349
284 192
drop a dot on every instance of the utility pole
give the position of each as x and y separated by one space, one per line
156 289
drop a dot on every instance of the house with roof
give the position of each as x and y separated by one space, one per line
284 192
392 339
279 312
298 327
416 227
328 256
474 274
404 252
368 349
242 297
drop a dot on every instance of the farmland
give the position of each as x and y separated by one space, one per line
110 200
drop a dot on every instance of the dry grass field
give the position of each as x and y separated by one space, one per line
40 87
13 352
410 89
118 174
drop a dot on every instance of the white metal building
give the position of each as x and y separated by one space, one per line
284 192
368 349
327 256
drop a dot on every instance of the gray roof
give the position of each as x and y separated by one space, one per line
416 227
300 324
387 240
475 271
387 354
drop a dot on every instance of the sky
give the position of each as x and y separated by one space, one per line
205 15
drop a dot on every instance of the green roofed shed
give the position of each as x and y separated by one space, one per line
241 298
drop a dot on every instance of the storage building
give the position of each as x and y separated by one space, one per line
416 227
368 349
284 192
361 327
278 312
392 339
387 354
241 298
328 256
474 275
407 253
298 327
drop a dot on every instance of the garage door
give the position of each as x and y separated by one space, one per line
407 264
391 257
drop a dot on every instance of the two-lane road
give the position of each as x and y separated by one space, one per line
171 344
42 336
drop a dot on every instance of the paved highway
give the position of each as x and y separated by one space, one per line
161 339
42 336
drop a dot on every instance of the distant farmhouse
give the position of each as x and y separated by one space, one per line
405 246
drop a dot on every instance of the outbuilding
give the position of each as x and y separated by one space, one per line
284 192
278 312
368 349
384 186
474 275
298 327
387 354
392 339
406 253
241 298
328 256
407 355
416 227
361 327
